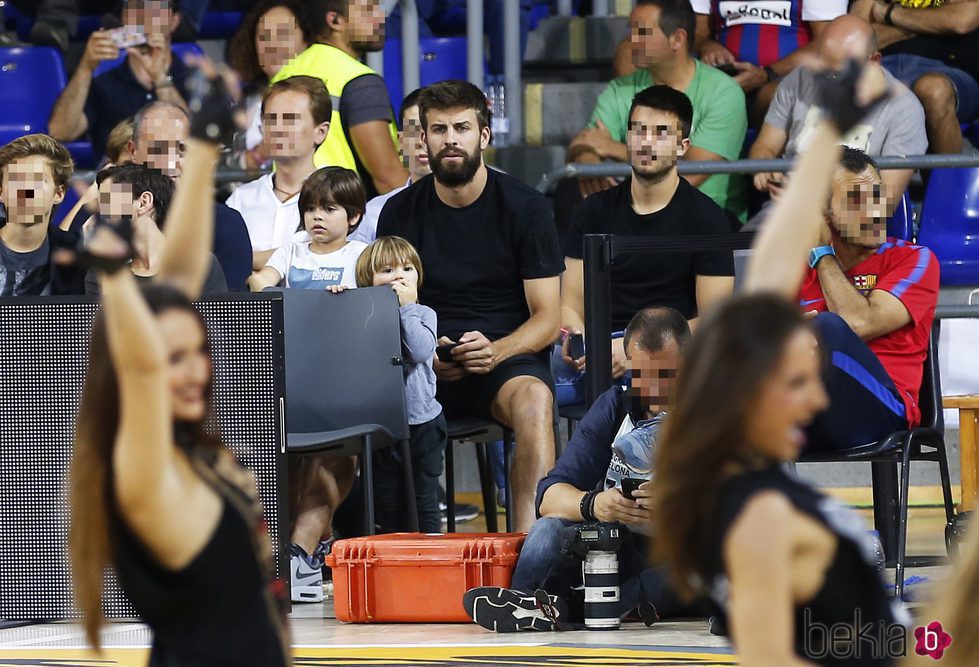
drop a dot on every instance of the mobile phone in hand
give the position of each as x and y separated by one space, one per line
728 68
444 352
127 36
576 346
630 484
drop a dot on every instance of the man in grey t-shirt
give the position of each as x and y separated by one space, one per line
895 127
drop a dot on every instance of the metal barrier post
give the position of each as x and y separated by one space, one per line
511 69
598 314
475 59
410 60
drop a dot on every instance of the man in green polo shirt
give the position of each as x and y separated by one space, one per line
661 33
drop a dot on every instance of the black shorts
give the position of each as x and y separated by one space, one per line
473 395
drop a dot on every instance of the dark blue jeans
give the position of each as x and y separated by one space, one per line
864 404
427 457
541 565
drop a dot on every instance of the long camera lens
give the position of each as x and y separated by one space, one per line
600 571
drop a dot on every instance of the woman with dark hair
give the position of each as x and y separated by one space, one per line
786 563
269 36
153 493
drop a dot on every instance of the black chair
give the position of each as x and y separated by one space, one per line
924 443
345 392
572 414
480 432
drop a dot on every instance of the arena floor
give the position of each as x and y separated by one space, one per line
320 640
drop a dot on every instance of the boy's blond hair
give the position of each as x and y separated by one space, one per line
58 157
386 251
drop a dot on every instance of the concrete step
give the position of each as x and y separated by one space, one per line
576 40
555 112
527 163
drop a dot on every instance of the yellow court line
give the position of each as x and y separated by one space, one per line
553 656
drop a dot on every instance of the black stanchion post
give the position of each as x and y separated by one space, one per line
598 314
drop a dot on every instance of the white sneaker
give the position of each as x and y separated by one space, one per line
306 576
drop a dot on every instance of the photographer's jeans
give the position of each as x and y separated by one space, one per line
541 566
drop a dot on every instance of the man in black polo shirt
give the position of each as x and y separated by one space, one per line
149 72
654 201
492 264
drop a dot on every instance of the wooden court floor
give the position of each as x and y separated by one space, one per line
319 639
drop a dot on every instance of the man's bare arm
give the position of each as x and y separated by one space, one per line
958 18
870 316
372 141
68 121
697 154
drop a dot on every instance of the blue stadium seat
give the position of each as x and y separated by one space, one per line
899 224
950 223
31 79
441 58
180 50
82 153
219 25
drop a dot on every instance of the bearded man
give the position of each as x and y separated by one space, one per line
492 263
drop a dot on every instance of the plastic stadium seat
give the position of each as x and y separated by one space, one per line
180 50
31 79
441 58
899 225
82 153
219 25
950 224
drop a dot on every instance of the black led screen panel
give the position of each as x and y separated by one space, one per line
43 356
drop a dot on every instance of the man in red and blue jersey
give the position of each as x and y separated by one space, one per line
760 40
874 302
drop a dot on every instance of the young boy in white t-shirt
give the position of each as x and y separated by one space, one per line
331 204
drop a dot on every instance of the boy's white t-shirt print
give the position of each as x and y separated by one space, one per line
305 269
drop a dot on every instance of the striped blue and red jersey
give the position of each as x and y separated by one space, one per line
765 31
911 274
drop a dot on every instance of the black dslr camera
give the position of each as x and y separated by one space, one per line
597 537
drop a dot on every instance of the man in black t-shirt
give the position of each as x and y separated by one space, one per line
492 264
655 201
933 48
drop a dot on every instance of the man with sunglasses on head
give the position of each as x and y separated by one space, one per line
873 300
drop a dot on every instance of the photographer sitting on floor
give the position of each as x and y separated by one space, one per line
590 484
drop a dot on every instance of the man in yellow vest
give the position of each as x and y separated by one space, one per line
363 135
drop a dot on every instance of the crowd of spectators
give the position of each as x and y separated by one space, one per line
499 285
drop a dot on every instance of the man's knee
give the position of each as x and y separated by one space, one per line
831 327
548 534
936 92
534 394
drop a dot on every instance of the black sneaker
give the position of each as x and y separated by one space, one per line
506 610
464 512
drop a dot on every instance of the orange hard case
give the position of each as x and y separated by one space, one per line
417 578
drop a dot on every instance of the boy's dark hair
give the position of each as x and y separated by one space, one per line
651 328
333 186
58 157
453 94
320 104
143 179
410 100
856 161
664 98
675 15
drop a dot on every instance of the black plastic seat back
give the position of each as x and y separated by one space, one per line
343 361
